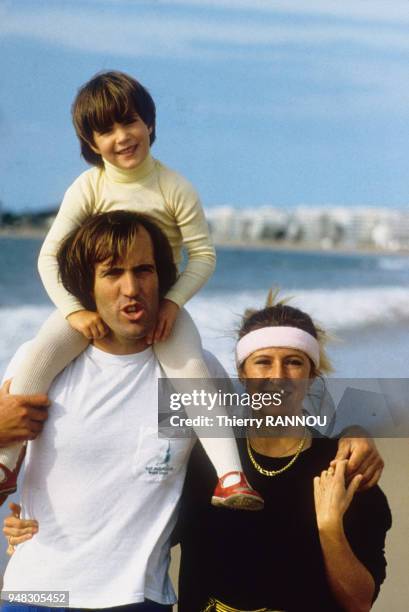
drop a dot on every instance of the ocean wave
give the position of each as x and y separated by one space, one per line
393 264
18 325
339 311
218 315
336 309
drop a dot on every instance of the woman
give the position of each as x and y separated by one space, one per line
316 546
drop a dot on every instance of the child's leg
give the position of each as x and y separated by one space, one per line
54 347
181 357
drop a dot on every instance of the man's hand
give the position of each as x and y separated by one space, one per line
363 458
168 311
88 323
16 529
21 416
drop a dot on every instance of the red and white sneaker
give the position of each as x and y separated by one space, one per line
239 496
9 483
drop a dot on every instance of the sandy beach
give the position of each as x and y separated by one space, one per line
394 595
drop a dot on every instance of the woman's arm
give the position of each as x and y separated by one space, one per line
16 529
350 581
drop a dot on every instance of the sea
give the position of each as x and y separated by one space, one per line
361 299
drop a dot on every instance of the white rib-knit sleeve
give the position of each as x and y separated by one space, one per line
15 362
78 203
187 210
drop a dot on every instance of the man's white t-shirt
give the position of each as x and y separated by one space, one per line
105 510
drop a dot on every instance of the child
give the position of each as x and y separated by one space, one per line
114 117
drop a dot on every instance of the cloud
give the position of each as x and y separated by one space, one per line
366 62
382 11
363 10
143 33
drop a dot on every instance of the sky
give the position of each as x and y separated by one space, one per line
259 102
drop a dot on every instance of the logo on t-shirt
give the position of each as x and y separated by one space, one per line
161 467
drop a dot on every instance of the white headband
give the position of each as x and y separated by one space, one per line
277 337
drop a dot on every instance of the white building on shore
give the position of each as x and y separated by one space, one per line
359 227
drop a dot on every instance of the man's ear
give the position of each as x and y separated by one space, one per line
92 292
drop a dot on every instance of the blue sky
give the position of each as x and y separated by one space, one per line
259 102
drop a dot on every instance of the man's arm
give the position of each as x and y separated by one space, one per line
21 416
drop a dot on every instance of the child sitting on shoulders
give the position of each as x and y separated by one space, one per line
114 118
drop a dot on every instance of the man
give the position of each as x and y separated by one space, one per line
102 486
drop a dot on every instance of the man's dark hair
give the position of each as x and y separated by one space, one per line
109 237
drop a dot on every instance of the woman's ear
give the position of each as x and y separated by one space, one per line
241 373
313 374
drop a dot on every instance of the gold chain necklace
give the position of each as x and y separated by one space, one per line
281 470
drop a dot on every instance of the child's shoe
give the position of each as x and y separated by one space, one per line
239 496
9 483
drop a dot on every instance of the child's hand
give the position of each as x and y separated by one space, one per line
88 323
168 311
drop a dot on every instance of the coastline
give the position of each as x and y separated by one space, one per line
22 232
261 245
309 247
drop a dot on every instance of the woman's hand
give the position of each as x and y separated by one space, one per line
363 458
16 529
350 581
332 497
168 311
88 323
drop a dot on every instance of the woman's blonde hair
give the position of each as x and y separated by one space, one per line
277 312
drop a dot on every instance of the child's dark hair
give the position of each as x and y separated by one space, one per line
110 97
